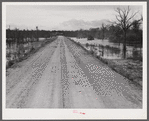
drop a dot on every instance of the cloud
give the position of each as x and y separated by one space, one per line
75 24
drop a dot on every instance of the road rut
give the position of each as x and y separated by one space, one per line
63 75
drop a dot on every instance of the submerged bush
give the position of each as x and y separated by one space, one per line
90 37
87 44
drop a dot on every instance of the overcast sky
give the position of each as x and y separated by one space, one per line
58 17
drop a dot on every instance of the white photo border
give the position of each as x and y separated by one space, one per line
68 113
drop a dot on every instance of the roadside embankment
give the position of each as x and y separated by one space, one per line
129 68
35 47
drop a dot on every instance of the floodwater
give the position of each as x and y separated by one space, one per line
110 50
14 50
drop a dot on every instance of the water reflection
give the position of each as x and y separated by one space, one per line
14 50
109 52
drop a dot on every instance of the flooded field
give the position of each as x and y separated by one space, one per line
110 50
15 51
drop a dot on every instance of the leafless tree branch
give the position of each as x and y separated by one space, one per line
124 21
133 15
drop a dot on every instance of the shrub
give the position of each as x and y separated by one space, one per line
90 37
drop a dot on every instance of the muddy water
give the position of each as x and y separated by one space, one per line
110 50
14 51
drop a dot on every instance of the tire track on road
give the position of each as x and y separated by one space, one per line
20 88
48 91
64 77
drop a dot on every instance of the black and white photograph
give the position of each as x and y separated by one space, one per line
74 60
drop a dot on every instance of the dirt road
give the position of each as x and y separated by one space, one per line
63 75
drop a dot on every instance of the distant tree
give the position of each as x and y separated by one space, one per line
115 34
136 25
136 29
103 28
93 32
37 33
80 33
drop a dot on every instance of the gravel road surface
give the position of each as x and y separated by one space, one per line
63 75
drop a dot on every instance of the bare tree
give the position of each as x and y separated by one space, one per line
37 33
124 20
103 28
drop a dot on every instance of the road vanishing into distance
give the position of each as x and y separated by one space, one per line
63 75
